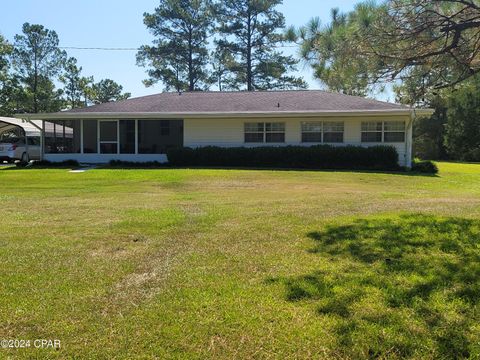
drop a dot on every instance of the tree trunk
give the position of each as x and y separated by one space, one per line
177 85
249 52
35 83
191 80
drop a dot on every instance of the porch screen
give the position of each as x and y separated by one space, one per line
156 136
62 136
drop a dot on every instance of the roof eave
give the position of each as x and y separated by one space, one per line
193 115
423 112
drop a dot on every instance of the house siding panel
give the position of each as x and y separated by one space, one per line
230 132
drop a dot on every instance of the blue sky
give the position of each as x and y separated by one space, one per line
113 23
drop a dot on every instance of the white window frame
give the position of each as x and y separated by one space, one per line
264 132
383 131
322 131
274 132
303 123
245 132
404 130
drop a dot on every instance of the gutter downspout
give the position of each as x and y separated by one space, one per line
42 133
409 139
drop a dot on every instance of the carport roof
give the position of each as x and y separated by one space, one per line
30 130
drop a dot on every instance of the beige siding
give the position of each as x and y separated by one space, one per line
230 132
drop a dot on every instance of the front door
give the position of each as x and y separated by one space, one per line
108 136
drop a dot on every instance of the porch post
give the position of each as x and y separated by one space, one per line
136 137
81 136
42 140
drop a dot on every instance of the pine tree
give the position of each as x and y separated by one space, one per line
179 55
250 32
36 60
73 82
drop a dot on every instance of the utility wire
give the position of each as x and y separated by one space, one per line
137 49
97 48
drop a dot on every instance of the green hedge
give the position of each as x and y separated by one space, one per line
299 157
49 164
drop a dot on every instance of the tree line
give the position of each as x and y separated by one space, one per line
31 67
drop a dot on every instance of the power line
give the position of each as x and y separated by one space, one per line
134 48
138 49
97 48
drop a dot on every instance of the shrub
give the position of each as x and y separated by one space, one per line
301 157
49 164
426 167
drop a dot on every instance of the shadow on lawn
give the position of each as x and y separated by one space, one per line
404 286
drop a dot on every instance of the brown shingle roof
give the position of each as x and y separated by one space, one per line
231 102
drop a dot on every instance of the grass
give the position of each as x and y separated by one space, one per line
179 263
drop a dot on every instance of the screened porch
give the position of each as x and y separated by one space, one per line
102 140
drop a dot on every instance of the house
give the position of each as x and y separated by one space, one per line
141 129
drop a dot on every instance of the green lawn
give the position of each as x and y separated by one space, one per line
239 264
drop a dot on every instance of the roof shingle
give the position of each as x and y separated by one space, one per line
232 102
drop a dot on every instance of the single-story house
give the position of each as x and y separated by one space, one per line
141 129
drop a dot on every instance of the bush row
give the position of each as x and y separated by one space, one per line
300 157
48 164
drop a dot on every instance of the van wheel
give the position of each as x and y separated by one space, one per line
25 157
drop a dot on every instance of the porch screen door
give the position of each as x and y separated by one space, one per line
108 136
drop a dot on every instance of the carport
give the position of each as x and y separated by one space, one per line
32 128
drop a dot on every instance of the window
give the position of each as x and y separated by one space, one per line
312 131
35 141
394 131
254 132
273 132
383 131
317 131
372 131
333 132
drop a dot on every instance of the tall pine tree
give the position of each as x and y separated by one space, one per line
36 60
179 55
250 31
72 83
